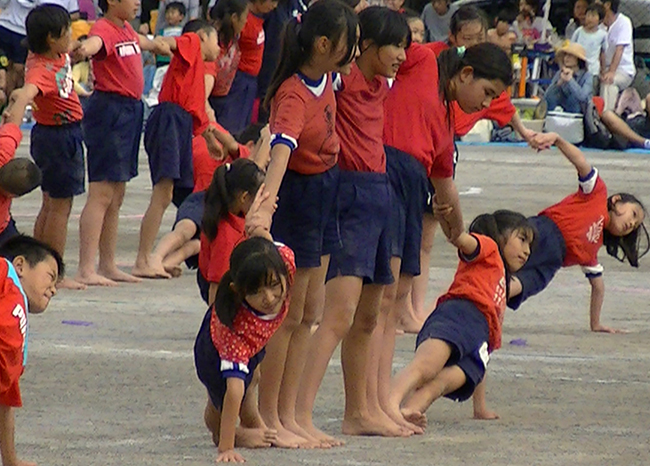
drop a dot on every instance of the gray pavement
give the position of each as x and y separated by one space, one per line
121 389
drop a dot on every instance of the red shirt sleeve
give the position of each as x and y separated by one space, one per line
501 109
186 47
437 47
288 115
101 30
11 366
10 137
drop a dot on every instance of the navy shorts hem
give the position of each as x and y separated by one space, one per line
460 323
58 152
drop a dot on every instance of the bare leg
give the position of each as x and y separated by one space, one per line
108 240
173 261
618 127
273 366
297 354
91 225
173 241
421 282
342 295
41 218
212 419
430 358
149 265
252 432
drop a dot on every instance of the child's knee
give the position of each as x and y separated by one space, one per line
365 322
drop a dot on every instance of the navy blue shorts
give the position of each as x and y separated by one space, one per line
235 110
544 261
306 205
9 232
208 364
192 209
58 152
204 286
112 126
431 191
364 210
12 44
168 142
409 191
459 323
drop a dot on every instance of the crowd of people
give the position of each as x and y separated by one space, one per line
321 219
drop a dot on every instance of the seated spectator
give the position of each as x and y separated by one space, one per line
192 11
83 79
619 70
594 40
572 86
528 26
503 34
174 15
416 25
631 129
436 17
579 12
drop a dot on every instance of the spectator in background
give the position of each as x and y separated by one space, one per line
88 10
594 40
578 20
416 25
83 79
146 7
192 8
175 13
396 5
13 33
436 17
502 34
619 70
572 86
528 26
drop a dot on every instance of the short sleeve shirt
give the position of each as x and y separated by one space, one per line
10 137
214 256
56 103
500 110
581 218
620 33
13 334
251 44
224 69
303 114
184 81
117 67
482 280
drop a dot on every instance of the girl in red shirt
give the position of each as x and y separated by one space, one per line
418 133
304 174
227 202
453 347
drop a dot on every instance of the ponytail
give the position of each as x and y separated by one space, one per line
254 263
325 18
221 13
229 180
628 246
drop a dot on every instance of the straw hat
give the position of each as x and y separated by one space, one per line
571 48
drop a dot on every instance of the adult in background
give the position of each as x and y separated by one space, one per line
619 70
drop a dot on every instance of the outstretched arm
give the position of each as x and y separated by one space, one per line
571 152
447 195
479 400
596 305
229 415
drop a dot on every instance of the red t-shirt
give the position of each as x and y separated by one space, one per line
251 331
224 69
360 121
204 165
214 256
183 83
437 47
117 67
482 280
415 117
251 44
10 137
303 118
581 218
500 110
13 334
56 103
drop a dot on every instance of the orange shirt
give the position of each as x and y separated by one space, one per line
581 218
360 122
214 256
482 280
184 84
10 137
303 116
56 103
251 44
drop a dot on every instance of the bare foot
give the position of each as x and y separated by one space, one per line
94 279
286 439
117 275
409 324
310 442
319 435
397 417
486 415
71 284
174 270
372 426
415 417
255 438
149 269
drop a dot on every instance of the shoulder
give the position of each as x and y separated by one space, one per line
292 89
288 258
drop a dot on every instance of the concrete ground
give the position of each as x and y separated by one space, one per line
110 378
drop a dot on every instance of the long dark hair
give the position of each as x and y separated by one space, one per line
489 61
628 246
228 181
499 226
221 13
384 26
254 263
329 18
